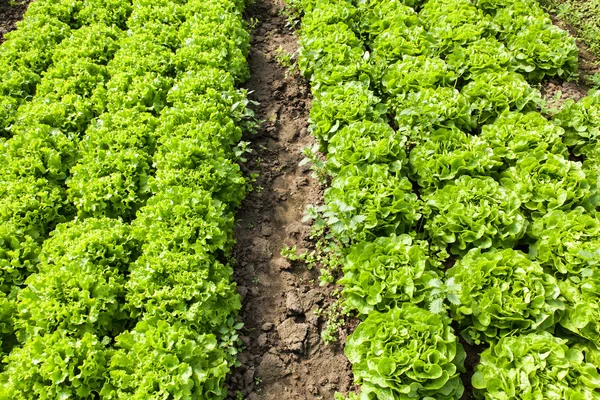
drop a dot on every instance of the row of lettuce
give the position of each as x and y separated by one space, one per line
459 204
119 187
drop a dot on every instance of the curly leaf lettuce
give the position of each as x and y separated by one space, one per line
382 274
406 353
535 366
474 212
563 239
503 293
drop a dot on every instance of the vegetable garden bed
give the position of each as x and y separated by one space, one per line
155 232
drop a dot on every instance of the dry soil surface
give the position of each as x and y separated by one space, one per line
284 357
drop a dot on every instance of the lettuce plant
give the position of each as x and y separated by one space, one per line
431 109
406 353
80 286
449 153
564 240
474 212
503 293
540 50
365 142
481 56
338 106
179 286
550 182
514 135
332 55
493 93
382 274
453 22
534 366
166 360
581 295
581 122
369 200
375 17
56 365
415 73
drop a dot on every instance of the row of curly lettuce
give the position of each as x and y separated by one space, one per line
443 171
131 296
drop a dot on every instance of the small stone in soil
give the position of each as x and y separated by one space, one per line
262 340
267 326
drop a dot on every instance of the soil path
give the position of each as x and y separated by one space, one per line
284 357
10 14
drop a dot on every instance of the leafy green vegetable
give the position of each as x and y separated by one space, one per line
581 121
430 109
178 286
370 200
582 299
159 360
474 212
481 56
563 239
449 153
407 353
550 183
56 366
492 93
537 365
381 275
416 72
542 49
80 286
338 106
365 142
514 135
503 293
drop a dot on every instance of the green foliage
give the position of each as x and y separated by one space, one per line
514 135
550 183
449 153
565 241
338 106
493 93
178 286
581 122
80 286
416 72
503 293
365 142
407 353
474 213
370 200
159 360
56 365
581 296
131 115
541 49
537 365
431 109
383 274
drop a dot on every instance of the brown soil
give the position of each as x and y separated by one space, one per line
10 15
284 356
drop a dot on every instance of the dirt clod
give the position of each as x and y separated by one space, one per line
292 335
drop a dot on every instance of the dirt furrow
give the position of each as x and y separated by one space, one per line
284 356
